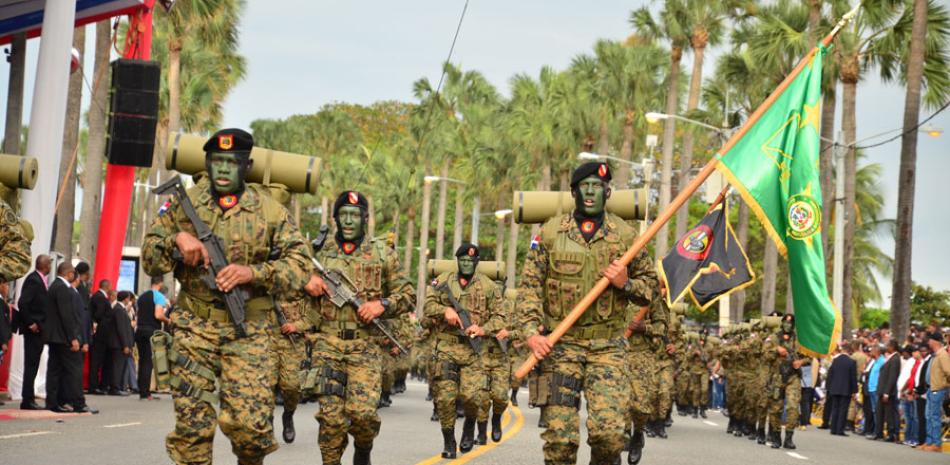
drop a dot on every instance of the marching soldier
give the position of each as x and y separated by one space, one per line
516 349
575 251
644 336
346 361
665 353
498 370
458 371
250 224
785 383
295 308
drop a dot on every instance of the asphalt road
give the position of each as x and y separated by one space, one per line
129 431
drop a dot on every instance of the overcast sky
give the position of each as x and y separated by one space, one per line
302 55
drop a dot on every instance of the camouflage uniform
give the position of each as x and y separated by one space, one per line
291 350
644 366
346 363
498 370
591 357
664 371
206 337
14 246
457 370
784 392
758 382
698 391
682 371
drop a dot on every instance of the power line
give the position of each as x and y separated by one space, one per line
892 139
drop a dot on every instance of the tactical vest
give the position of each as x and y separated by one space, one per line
364 269
575 266
474 298
246 239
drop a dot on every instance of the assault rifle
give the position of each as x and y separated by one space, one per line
343 292
235 298
466 319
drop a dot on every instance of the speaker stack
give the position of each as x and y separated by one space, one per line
133 112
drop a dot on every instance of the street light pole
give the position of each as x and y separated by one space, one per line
423 247
838 270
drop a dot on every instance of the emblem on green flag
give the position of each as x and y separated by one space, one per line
774 166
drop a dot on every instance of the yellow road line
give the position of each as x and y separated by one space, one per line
519 422
505 421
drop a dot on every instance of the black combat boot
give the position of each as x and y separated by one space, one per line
694 411
788 444
732 426
760 435
288 420
741 429
496 427
542 423
448 443
660 429
680 410
636 447
429 394
482 437
648 430
702 412
459 409
468 435
361 455
775 439
387 400
669 419
514 397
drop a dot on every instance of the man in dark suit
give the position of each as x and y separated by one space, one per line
61 333
31 317
6 332
842 384
921 386
76 399
121 342
99 360
887 395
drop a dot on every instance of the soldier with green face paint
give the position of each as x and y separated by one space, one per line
457 370
251 225
346 364
575 251
15 259
785 379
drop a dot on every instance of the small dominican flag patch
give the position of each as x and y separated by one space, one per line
164 208
227 201
587 226
535 242
349 247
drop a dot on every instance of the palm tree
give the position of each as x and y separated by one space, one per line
926 65
669 27
91 179
63 225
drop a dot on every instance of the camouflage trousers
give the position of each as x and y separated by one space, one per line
389 371
642 371
599 369
457 373
348 407
664 388
733 403
758 387
289 356
698 389
245 371
516 356
784 396
682 387
499 375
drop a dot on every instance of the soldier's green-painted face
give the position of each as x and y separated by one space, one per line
225 173
350 219
591 196
467 265
788 326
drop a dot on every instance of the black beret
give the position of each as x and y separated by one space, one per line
467 249
352 198
591 168
230 141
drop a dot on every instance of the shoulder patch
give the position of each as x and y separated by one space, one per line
9 218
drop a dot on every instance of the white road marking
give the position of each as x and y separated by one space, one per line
709 423
797 456
122 425
25 435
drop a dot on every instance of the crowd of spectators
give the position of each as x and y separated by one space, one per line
107 329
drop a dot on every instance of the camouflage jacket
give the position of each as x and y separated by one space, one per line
14 246
654 336
375 272
248 231
482 298
564 267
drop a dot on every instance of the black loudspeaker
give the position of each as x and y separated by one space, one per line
133 112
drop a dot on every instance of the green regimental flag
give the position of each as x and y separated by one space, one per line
774 166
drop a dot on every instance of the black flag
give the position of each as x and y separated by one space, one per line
707 262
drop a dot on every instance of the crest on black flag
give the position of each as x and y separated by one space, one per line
707 263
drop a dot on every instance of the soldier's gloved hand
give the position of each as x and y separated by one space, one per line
316 287
233 276
288 328
616 274
540 346
475 331
502 335
369 311
193 252
452 317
